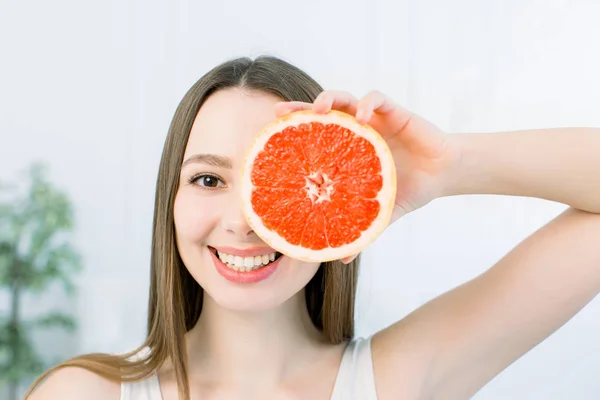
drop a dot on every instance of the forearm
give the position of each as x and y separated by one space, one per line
561 165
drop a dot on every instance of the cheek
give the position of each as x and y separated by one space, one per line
194 216
302 272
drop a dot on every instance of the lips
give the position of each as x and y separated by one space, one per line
254 275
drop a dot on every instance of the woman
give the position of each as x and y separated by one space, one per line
291 334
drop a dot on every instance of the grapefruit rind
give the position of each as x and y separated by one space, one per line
385 196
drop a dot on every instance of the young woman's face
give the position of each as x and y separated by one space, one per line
218 247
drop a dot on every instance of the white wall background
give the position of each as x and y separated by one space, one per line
90 87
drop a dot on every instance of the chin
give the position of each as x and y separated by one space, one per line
244 300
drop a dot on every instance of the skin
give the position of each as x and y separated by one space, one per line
258 342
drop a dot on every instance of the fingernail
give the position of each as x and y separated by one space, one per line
360 114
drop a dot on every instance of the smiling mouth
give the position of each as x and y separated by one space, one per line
245 264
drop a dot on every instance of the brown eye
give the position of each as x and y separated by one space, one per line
207 181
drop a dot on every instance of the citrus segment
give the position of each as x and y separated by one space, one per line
314 236
283 211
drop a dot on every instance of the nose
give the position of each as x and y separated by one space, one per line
234 223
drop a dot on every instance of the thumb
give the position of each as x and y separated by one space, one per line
285 107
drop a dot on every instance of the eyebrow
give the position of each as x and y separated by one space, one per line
209 159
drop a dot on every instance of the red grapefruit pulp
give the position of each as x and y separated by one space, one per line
318 187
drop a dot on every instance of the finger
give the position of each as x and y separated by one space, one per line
285 107
335 100
349 259
392 117
374 102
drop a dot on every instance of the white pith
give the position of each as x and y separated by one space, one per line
385 196
315 191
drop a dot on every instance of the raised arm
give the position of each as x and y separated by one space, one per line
459 341
561 164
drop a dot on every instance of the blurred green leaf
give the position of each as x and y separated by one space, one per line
36 251
53 320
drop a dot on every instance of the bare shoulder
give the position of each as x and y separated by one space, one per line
76 383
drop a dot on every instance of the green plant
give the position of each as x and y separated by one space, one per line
35 252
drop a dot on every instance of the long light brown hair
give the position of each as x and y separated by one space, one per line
175 300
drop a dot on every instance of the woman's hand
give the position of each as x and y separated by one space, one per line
423 155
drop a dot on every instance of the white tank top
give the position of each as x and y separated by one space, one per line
354 381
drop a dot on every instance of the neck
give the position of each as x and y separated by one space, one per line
246 347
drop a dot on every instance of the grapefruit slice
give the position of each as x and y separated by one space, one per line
318 187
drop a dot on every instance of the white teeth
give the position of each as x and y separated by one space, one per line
245 264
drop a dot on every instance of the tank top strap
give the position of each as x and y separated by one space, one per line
355 378
147 389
